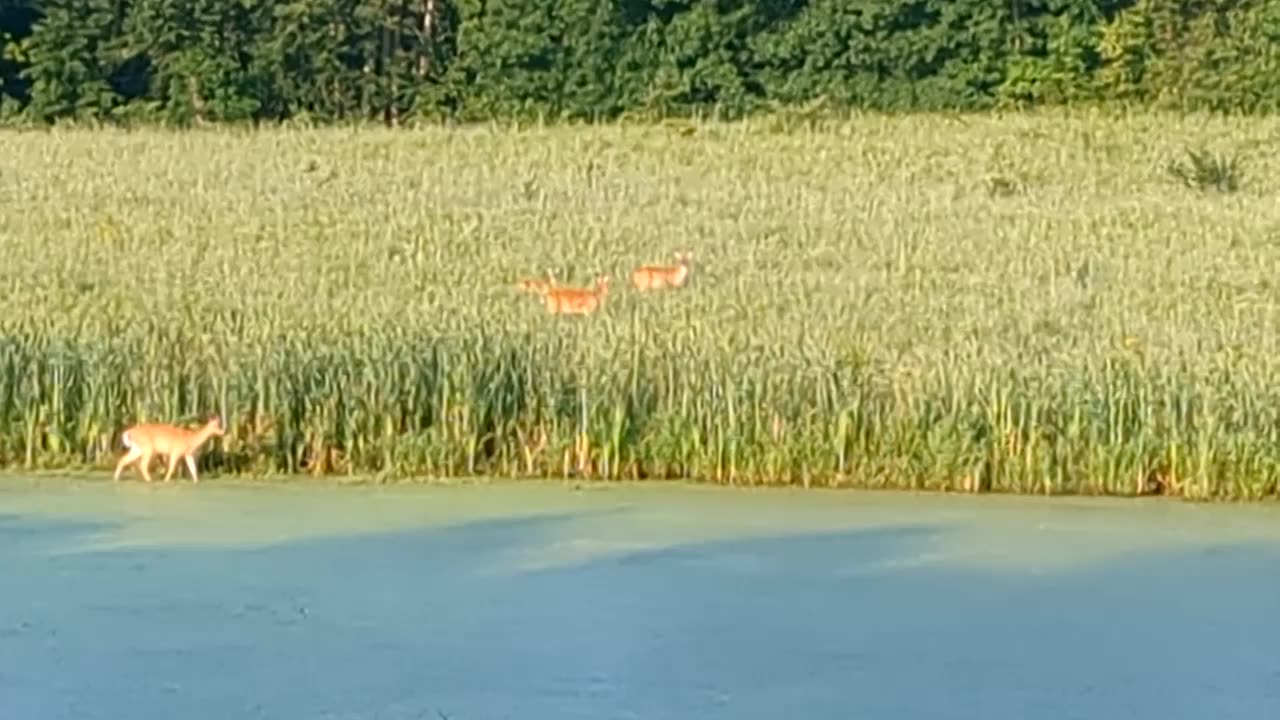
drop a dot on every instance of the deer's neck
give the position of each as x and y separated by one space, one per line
202 436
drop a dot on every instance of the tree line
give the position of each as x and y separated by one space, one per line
395 60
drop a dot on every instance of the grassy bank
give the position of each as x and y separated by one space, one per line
1021 304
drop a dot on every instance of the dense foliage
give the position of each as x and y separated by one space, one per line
391 60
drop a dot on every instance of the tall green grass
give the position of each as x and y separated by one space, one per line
1020 303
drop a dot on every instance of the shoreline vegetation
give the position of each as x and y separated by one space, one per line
1028 303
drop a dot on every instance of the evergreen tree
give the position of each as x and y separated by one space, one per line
200 54
16 19
75 56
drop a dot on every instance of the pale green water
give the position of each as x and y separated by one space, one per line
538 601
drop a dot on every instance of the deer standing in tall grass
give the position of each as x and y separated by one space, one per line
657 277
576 301
146 440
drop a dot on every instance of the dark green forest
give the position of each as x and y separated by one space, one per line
179 61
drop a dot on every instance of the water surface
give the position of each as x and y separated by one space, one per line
540 601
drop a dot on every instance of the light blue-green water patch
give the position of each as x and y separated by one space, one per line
532 600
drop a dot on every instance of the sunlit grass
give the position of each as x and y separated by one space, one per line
1015 303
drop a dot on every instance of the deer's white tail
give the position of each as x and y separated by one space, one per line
128 444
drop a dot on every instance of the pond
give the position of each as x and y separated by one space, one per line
536 601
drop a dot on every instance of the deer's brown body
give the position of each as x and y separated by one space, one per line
147 440
659 277
576 301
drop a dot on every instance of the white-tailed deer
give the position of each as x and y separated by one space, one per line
149 439
657 277
577 301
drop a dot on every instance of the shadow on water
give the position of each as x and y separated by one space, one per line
444 622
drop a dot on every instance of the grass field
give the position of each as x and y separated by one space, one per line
1020 303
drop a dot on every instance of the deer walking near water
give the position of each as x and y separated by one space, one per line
144 441
657 277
